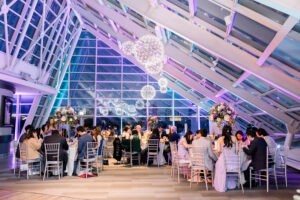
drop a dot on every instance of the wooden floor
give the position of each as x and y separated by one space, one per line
119 182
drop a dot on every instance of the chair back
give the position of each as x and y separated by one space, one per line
271 156
198 157
92 150
52 151
153 145
174 154
232 161
23 151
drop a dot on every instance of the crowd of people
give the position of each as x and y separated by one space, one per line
253 144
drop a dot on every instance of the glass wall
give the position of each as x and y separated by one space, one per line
104 89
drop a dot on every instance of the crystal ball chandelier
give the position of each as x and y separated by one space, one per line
154 68
148 92
163 90
163 82
128 47
149 50
139 104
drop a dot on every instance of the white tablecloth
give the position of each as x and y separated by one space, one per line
71 158
161 157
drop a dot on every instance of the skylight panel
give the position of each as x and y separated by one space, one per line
257 84
283 100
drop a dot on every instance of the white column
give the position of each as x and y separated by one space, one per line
289 136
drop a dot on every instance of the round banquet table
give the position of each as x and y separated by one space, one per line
71 158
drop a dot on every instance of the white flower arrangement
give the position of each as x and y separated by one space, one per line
65 115
222 112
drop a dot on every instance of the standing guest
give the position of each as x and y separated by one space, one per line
173 136
257 150
82 146
55 137
33 145
183 146
201 141
164 138
126 132
162 133
22 138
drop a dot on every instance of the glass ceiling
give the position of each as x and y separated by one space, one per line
248 28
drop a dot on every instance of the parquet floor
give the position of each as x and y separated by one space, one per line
122 183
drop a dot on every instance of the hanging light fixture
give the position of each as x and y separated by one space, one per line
154 68
163 82
128 48
149 50
163 90
139 104
148 92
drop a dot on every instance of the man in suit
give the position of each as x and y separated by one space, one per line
63 147
257 150
82 146
202 142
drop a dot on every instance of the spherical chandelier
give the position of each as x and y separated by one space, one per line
149 50
154 68
163 82
148 92
131 108
163 90
139 104
128 48
118 111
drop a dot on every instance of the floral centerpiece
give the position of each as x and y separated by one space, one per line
222 112
152 121
65 115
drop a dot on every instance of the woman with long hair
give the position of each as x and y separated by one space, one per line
50 126
226 140
33 145
184 144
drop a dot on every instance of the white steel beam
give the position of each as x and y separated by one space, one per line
24 30
290 7
192 7
240 79
231 54
280 35
200 68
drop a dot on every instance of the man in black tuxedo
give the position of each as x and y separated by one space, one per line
63 147
257 150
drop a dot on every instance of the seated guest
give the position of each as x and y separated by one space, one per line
126 132
136 142
241 139
33 146
257 150
55 137
183 146
201 141
139 130
154 136
228 151
82 146
22 138
262 133
220 142
173 135
98 138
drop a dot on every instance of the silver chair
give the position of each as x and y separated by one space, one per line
198 165
30 166
233 166
281 168
176 163
91 157
133 156
264 174
153 150
52 163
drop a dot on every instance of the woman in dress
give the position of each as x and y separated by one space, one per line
226 131
50 126
241 139
228 148
183 146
